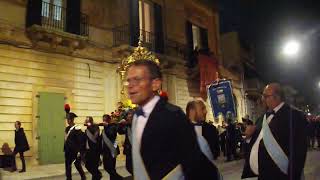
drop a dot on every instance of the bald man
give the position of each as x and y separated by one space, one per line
278 141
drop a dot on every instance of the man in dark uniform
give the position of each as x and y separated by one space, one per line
223 139
231 139
125 128
311 135
110 149
164 141
93 142
280 151
318 130
208 131
74 147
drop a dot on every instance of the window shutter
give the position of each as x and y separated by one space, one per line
159 40
73 16
34 10
204 38
134 22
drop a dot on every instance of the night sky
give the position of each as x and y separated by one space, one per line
267 24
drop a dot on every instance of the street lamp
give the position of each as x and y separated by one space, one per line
291 48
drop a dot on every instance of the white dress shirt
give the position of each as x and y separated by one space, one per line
141 121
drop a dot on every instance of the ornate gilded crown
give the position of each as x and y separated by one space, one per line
139 53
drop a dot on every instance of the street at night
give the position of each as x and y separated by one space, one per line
159 89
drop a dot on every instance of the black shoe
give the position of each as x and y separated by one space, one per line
22 171
13 169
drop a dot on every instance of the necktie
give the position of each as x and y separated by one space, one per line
139 112
197 124
268 113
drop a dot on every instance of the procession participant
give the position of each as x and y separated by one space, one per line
164 142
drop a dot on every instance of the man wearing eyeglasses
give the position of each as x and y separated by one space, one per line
278 142
164 144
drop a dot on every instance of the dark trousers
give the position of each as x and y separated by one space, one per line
129 163
109 164
311 141
23 162
71 157
231 149
92 164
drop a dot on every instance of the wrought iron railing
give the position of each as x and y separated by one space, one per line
148 39
55 17
121 35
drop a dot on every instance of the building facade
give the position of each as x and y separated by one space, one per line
54 52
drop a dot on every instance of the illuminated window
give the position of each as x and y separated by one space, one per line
146 19
196 37
52 9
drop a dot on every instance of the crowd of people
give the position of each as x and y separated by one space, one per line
163 142
90 145
313 128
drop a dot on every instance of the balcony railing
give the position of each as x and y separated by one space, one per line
55 17
121 35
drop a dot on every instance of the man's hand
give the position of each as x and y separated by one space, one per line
123 121
250 129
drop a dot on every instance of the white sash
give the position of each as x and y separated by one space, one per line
205 148
272 148
112 146
203 144
66 137
139 169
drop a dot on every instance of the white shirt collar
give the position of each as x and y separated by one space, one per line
276 109
147 108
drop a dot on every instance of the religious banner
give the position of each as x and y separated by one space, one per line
221 98
208 66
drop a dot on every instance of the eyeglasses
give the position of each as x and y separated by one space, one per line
134 81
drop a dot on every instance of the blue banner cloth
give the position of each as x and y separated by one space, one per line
221 98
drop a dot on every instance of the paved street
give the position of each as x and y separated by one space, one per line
230 171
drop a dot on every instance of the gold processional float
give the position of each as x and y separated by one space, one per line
139 53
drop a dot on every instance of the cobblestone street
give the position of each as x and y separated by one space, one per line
230 170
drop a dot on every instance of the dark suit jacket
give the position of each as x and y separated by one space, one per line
75 142
288 127
210 133
20 140
111 131
169 139
96 147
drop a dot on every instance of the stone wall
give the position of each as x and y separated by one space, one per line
25 73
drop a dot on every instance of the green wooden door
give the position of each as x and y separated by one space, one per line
51 127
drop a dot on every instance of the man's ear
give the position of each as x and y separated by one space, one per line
156 84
